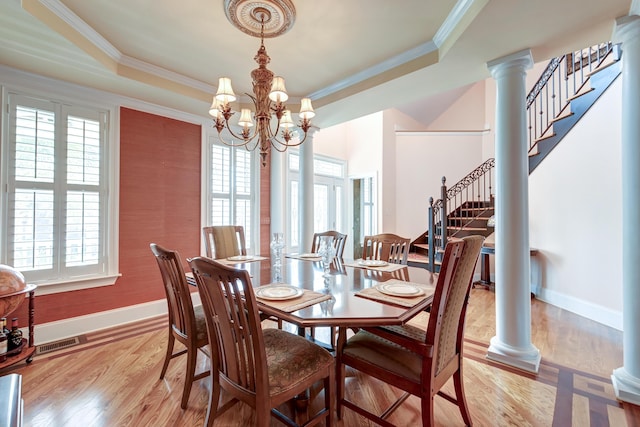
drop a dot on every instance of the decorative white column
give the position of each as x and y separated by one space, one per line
277 190
512 343
626 380
306 192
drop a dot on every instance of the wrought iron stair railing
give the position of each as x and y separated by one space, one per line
565 78
473 189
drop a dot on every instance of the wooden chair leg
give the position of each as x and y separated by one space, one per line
460 397
214 397
329 398
263 416
168 355
192 355
340 370
427 410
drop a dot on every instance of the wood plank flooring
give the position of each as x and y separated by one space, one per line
112 379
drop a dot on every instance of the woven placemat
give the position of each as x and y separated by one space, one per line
305 300
227 261
374 294
304 258
389 267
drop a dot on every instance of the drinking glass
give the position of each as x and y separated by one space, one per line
277 245
327 251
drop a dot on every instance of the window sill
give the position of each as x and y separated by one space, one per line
47 288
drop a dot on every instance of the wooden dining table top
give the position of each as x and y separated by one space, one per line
343 305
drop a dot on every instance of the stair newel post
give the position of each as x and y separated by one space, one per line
443 215
431 238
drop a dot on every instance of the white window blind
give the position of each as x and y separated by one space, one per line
56 198
234 186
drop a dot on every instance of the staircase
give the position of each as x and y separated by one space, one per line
566 90
470 218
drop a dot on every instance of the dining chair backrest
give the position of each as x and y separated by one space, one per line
339 240
386 247
180 304
446 321
223 241
232 314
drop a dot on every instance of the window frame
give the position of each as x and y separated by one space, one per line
331 181
252 233
74 101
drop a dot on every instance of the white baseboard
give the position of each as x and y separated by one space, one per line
54 331
587 309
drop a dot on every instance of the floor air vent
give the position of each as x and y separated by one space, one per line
57 345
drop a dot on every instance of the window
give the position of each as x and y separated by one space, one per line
328 195
233 189
364 211
56 202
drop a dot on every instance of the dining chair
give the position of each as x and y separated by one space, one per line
339 240
263 368
186 321
223 241
386 247
418 358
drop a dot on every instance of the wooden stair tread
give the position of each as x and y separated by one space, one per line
579 94
449 227
602 67
542 138
563 116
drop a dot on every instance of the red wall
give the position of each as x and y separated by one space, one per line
159 202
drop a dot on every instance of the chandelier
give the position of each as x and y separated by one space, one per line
269 92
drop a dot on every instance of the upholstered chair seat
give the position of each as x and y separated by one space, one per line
289 369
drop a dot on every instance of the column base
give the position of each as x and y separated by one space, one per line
525 359
626 386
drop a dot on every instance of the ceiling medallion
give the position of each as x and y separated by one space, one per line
247 15
269 92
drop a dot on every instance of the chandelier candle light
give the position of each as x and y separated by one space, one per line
269 91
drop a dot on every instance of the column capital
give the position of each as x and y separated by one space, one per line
519 61
627 29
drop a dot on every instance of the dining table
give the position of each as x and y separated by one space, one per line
298 289
352 293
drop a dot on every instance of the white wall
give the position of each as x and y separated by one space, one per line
332 141
390 179
422 159
467 113
575 215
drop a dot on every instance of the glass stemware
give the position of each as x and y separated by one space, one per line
277 245
327 252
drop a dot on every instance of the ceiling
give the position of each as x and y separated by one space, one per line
351 57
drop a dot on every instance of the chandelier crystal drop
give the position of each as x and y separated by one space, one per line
269 97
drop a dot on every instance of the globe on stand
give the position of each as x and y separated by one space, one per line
12 282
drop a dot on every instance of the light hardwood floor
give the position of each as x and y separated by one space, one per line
112 379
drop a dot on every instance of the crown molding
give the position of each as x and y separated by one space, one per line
424 55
